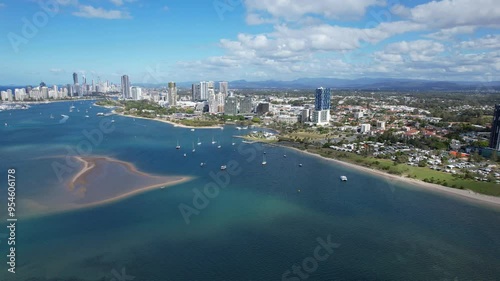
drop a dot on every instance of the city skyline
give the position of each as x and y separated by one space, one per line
251 40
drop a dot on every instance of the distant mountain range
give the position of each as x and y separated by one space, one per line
374 84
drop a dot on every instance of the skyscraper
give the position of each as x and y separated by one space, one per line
212 102
322 104
125 87
75 78
223 88
172 94
136 93
231 106
196 91
246 105
323 97
495 129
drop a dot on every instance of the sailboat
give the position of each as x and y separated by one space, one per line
51 116
264 162
199 142
178 146
194 150
219 146
213 141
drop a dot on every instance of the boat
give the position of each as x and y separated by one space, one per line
238 128
72 107
284 156
249 142
202 164
6 124
343 178
300 165
112 120
233 143
223 167
100 114
185 154
264 162
199 142
51 116
86 116
194 150
178 146
213 141
219 146
192 130
162 187
245 128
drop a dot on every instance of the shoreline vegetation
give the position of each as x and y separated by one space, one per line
471 196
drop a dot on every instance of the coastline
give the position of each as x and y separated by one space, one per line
466 195
170 122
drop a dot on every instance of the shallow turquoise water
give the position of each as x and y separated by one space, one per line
256 228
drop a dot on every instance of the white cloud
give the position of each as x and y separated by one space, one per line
2 5
91 12
166 8
295 9
487 42
117 2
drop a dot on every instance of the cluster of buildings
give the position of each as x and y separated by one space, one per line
43 92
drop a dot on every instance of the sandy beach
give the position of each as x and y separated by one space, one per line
100 181
467 195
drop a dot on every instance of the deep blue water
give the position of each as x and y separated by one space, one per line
256 228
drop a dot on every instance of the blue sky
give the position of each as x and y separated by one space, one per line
190 40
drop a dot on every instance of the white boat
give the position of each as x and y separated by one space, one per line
202 164
51 116
112 120
238 128
185 154
178 146
192 130
199 142
219 146
6 124
213 141
194 150
86 116
223 167
245 128
284 156
300 165
72 107
233 143
264 162
343 178
100 114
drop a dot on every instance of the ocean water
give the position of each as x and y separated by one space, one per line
258 222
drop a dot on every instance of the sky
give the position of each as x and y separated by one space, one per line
195 40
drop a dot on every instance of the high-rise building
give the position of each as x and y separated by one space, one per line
212 102
495 129
246 105
322 104
125 87
323 97
224 88
75 78
196 92
45 92
136 93
263 108
221 100
231 105
172 94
